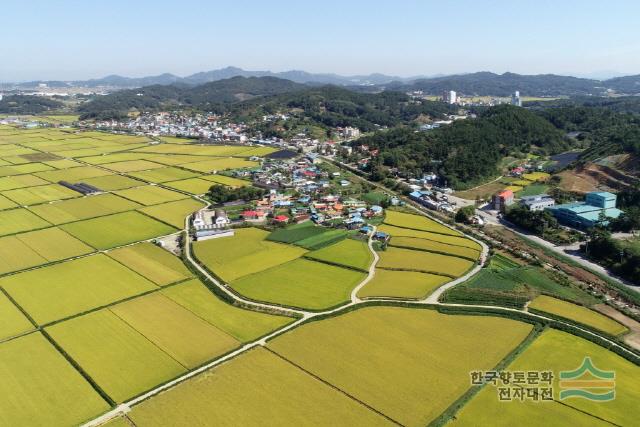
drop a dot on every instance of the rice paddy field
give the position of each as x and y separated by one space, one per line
578 314
301 283
449 240
307 235
433 246
191 185
150 195
408 364
401 284
348 253
426 262
559 351
246 253
13 321
417 222
173 213
83 208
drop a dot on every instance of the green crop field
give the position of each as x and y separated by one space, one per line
427 262
150 195
243 325
558 351
245 253
21 181
120 229
348 252
41 194
131 166
152 262
13 321
433 246
301 283
62 290
191 185
83 208
296 232
401 284
450 240
227 180
321 240
185 337
16 255
39 387
578 313
256 388
174 213
220 164
417 222
410 364
121 360
163 174
19 220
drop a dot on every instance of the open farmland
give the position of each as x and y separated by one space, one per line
307 235
409 364
433 246
245 253
150 195
112 182
426 262
401 284
442 238
559 351
301 283
152 262
39 387
184 336
20 181
62 290
160 175
220 164
19 220
277 391
173 213
578 314
191 185
41 194
244 325
131 166
348 252
13 321
6 203
121 360
53 244
417 222
120 229
226 180
83 208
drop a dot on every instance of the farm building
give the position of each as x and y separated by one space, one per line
537 203
588 213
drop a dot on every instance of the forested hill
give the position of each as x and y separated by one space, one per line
27 104
207 97
468 151
486 83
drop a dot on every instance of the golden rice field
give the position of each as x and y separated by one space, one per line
347 252
220 164
192 185
226 180
409 364
536 176
449 240
245 253
13 321
83 208
578 314
417 222
173 213
559 351
401 284
426 262
249 390
433 246
150 195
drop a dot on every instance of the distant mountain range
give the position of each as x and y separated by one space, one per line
480 83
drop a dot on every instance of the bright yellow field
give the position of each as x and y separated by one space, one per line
401 284
536 176
152 262
430 245
40 388
83 208
174 213
427 262
131 166
244 325
578 313
122 361
449 240
181 334
151 195
191 185
220 164
408 363
514 188
61 290
417 222
560 351
256 388
245 253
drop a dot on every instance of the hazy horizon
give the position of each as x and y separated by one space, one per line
74 40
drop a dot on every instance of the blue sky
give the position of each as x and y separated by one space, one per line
70 39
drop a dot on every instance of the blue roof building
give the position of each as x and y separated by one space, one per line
587 214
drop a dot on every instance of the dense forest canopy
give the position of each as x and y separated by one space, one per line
27 104
467 151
